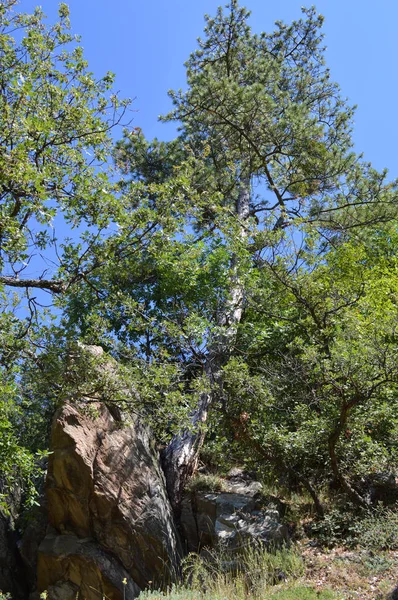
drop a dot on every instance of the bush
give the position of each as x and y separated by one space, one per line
379 530
374 529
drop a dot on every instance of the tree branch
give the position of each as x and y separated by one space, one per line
52 285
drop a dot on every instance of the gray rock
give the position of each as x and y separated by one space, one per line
11 576
382 487
63 591
233 520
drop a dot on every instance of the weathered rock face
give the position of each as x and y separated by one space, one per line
12 577
81 565
34 530
234 518
108 506
11 573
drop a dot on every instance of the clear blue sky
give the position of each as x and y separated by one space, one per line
145 42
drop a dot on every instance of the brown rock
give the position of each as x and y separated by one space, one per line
106 492
76 564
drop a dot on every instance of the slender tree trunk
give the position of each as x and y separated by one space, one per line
332 442
181 455
312 492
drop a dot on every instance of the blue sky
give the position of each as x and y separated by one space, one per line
146 43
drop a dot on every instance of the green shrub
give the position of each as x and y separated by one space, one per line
378 530
334 529
176 593
374 529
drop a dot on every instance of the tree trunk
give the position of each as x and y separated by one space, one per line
332 443
181 455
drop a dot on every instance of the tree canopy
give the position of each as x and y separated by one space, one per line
243 275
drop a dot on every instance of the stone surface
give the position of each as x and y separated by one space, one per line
80 565
35 528
63 591
105 486
12 580
234 518
382 487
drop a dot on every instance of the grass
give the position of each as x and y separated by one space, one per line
303 572
296 592
206 483
255 574
301 592
348 555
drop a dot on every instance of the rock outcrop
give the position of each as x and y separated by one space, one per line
107 506
234 518
12 577
34 530
70 565
11 571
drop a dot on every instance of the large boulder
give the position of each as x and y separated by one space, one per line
107 504
75 565
234 518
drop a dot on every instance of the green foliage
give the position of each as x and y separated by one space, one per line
280 308
53 119
289 302
54 147
379 530
373 530
23 442
320 349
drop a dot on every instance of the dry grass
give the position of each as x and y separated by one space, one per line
356 574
